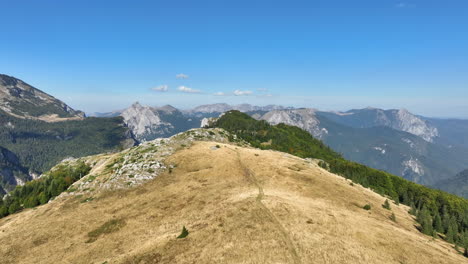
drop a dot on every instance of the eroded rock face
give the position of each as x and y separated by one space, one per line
302 118
144 122
405 121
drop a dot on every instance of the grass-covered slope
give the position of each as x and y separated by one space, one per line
438 212
238 205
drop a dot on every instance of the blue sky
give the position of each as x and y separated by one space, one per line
103 55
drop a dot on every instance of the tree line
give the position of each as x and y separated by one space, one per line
40 191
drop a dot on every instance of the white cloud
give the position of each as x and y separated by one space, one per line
405 5
262 89
161 88
186 89
182 76
241 93
401 5
219 94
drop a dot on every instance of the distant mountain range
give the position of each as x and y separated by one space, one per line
424 150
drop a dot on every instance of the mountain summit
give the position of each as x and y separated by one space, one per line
22 100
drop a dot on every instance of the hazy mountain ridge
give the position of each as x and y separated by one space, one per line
398 119
457 185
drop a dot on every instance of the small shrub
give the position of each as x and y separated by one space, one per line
367 207
218 146
184 233
386 205
91 178
393 217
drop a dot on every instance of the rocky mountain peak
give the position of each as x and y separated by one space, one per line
304 118
22 100
144 121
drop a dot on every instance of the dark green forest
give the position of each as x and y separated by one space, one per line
439 214
39 145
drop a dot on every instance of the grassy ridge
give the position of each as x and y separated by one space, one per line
429 205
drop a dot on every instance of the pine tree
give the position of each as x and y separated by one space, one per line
413 209
184 233
437 223
425 219
386 205
450 235
14 207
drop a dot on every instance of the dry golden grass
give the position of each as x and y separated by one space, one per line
240 206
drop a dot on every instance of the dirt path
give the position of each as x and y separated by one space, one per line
284 233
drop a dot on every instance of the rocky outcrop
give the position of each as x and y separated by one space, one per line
302 118
145 122
405 121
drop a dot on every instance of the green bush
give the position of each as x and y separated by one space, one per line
367 207
184 233
386 205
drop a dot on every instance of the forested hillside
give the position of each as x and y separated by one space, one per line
37 145
440 214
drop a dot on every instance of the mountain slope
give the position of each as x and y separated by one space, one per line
37 131
12 173
391 140
39 145
240 205
400 119
398 152
21 100
457 185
